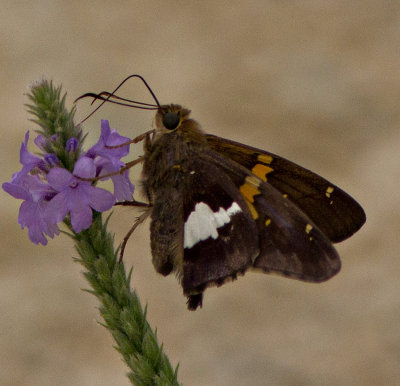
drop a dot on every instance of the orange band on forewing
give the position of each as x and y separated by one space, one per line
261 171
249 191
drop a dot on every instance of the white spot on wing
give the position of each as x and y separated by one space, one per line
203 223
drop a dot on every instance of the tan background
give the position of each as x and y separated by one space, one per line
315 81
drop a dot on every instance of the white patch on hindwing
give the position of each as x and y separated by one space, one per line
203 223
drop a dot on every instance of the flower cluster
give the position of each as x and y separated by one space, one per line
51 192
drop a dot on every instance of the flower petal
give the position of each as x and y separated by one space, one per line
100 199
97 148
51 229
107 138
36 235
59 178
79 197
81 219
123 188
16 190
26 158
115 139
32 215
105 130
85 168
57 208
37 188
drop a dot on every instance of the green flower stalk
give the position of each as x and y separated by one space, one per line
56 187
120 308
55 122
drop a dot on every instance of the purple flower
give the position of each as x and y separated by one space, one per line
108 138
76 196
123 188
28 160
108 160
51 192
35 194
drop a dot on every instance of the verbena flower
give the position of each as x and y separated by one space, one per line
75 196
29 161
51 192
123 188
108 160
35 194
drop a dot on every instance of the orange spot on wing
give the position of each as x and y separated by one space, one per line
253 211
264 158
249 191
261 171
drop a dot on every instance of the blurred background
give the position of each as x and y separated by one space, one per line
317 82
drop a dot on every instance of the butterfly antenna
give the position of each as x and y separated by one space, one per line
112 95
115 96
106 96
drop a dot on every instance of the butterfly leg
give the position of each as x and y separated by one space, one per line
138 221
139 138
127 166
134 203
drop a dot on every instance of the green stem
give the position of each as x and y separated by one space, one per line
121 309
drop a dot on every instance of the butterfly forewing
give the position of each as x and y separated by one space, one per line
336 214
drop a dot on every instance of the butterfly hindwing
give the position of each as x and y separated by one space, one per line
220 237
290 243
336 214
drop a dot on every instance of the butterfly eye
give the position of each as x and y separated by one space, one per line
170 120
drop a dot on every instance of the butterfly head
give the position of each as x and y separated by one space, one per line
170 118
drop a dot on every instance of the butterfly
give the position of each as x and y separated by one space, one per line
219 208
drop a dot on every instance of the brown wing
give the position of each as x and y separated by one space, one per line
289 242
335 213
220 235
